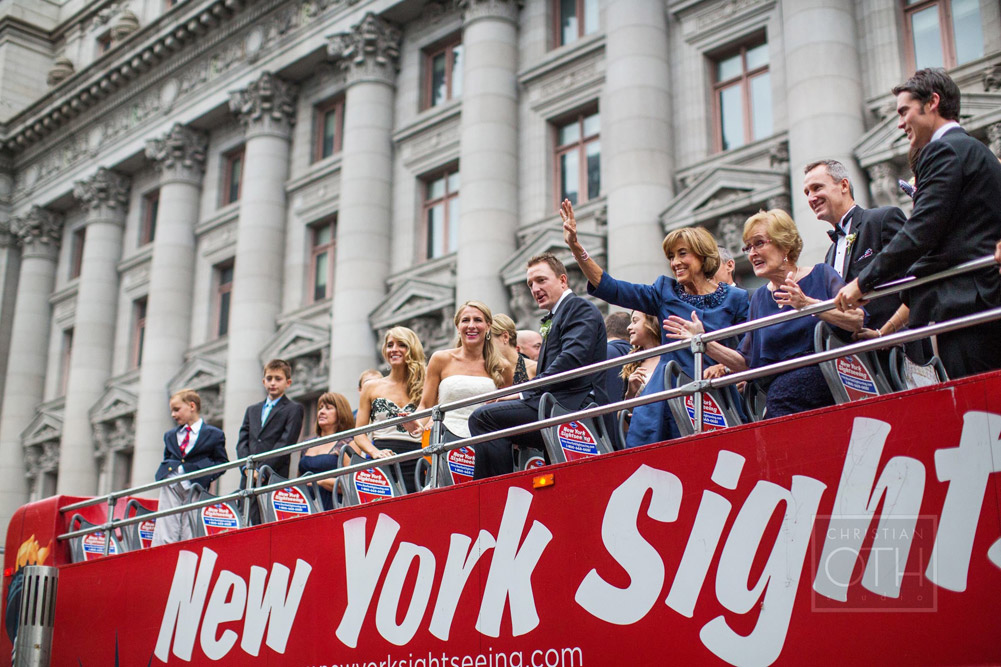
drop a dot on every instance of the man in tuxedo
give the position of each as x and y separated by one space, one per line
573 336
270 424
857 234
193 445
956 218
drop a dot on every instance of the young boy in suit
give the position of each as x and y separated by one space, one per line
270 424
193 445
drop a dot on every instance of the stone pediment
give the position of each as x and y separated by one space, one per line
198 373
724 190
549 240
114 402
411 299
295 339
46 426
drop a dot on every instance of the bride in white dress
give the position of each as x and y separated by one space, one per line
472 367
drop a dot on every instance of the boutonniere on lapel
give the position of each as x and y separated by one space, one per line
849 240
547 324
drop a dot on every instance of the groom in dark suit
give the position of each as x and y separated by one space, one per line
857 234
573 336
956 218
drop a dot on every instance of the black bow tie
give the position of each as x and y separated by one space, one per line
835 233
547 317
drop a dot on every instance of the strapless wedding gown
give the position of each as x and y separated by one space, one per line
456 388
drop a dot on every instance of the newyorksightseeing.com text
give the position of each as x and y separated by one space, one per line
553 657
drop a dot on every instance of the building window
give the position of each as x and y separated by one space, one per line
574 19
322 264
941 33
328 129
443 73
441 213
76 251
232 176
150 208
138 331
578 158
65 359
742 96
224 290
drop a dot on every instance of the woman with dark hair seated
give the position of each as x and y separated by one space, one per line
333 415
643 377
773 247
694 259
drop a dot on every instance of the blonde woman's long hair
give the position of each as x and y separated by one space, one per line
492 359
650 324
416 367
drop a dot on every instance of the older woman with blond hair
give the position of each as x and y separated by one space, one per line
694 259
773 245
473 367
395 395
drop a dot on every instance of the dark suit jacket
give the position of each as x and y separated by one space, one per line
615 386
576 338
875 228
282 428
208 450
956 218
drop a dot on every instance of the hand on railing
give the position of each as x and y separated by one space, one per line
416 427
849 297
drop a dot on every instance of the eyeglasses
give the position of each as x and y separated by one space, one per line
755 245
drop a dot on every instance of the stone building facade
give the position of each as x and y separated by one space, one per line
191 187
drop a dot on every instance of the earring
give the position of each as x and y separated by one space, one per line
488 335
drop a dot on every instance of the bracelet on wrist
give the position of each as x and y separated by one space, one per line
583 255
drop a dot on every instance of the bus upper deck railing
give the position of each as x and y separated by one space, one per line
438 448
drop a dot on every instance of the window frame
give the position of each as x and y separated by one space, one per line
139 310
582 29
150 212
66 360
315 251
78 240
222 292
946 32
229 159
334 105
444 47
558 149
427 203
743 80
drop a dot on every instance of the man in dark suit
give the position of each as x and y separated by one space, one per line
270 424
573 336
956 218
857 234
193 445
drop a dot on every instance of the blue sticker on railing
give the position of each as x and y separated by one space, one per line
855 378
460 463
289 503
576 441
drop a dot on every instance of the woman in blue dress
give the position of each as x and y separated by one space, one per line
642 378
773 247
333 415
694 259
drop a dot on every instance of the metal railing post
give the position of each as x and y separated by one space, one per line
437 437
107 531
698 349
248 492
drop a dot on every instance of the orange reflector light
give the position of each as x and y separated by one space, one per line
540 481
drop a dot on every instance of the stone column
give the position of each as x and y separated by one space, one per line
636 164
825 112
10 262
180 158
38 234
266 109
104 196
369 53
488 150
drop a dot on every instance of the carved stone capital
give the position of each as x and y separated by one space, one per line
992 78
266 106
179 155
370 51
883 184
994 139
730 233
7 238
778 156
473 10
38 232
779 201
105 195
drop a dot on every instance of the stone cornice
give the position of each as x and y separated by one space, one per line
266 106
84 90
473 10
370 51
179 154
104 195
